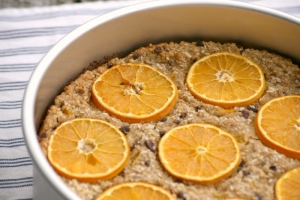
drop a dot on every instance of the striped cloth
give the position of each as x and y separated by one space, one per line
25 36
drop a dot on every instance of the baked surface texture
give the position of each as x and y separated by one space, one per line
261 166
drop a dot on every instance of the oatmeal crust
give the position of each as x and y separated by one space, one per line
261 166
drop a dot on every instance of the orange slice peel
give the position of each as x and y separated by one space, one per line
135 93
88 150
199 152
226 79
287 186
135 190
277 125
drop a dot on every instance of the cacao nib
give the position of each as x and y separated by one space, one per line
150 145
136 56
158 50
273 167
245 114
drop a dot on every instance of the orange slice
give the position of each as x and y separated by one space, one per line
88 150
199 152
287 187
135 93
277 125
226 79
137 191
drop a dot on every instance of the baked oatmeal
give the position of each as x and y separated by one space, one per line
261 166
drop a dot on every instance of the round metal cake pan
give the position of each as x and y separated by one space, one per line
123 30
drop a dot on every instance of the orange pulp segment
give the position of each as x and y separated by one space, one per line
137 191
277 125
88 150
226 79
135 93
199 152
287 187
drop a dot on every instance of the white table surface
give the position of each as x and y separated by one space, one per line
26 34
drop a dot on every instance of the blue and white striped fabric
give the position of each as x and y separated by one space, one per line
25 36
